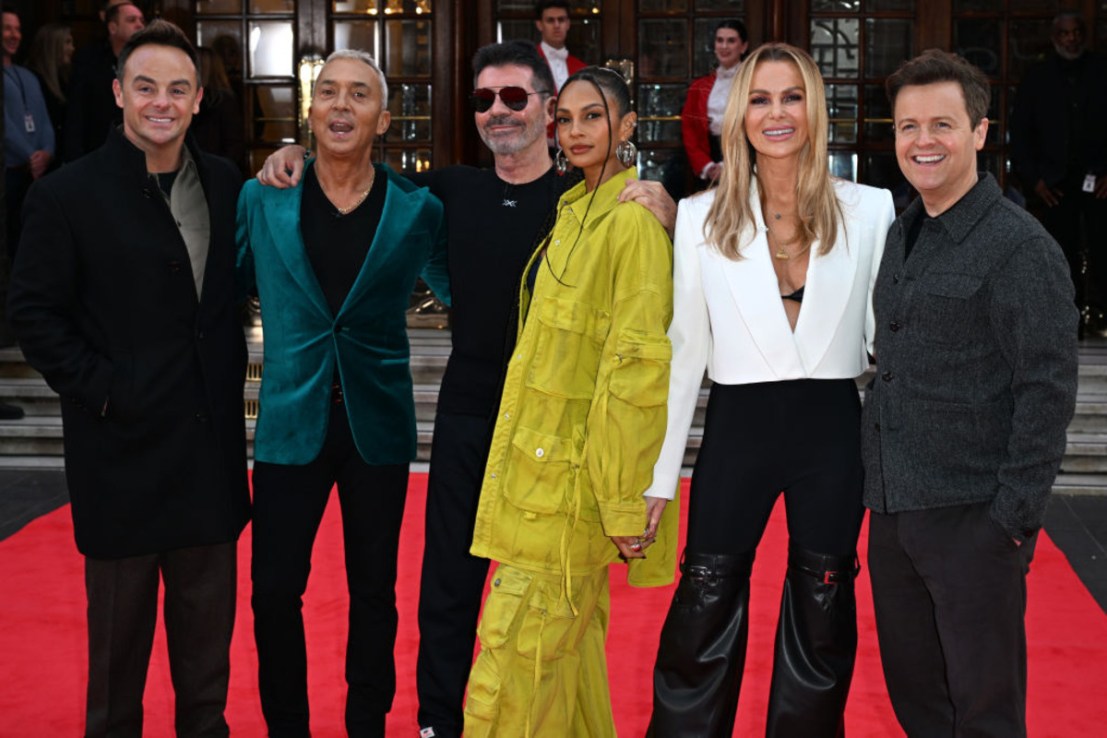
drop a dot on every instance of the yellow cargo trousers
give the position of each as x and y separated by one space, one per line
542 671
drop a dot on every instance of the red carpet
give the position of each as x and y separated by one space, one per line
43 658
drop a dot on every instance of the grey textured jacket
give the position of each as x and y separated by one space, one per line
976 363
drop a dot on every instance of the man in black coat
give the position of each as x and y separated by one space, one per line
1059 150
124 300
90 110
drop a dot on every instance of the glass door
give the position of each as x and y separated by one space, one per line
272 51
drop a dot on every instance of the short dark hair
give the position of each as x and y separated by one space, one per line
159 33
934 66
735 25
112 14
10 8
518 53
542 7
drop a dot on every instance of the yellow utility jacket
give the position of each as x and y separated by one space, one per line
582 416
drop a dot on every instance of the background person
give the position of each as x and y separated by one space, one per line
965 423
701 119
578 428
91 111
772 277
126 305
1059 149
50 59
335 259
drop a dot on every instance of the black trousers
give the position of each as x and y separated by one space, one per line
289 501
199 618
1078 222
949 589
452 579
801 437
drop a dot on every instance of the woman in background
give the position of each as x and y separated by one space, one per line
50 58
772 278
701 120
218 126
580 424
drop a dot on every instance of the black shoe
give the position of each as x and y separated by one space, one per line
702 649
10 412
816 642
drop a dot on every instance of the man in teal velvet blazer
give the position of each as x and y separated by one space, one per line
334 261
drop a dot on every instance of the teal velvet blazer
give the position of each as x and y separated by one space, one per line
366 340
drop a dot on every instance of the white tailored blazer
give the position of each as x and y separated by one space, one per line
728 316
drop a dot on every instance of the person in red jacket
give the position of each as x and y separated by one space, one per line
551 18
702 118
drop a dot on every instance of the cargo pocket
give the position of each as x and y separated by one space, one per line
567 349
641 373
539 471
548 626
502 608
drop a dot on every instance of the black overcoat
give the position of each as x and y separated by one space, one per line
104 305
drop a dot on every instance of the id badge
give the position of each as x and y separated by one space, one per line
29 122
1089 183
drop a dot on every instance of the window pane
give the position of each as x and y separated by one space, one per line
516 30
882 170
661 48
887 44
355 6
662 6
407 48
656 164
835 6
877 5
218 6
738 7
584 40
1027 42
834 43
274 114
878 115
271 45
979 42
703 53
1048 7
408 160
357 35
656 103
963 6
411 113
841 103
272 6
843 164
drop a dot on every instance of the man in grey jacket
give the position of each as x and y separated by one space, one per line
964 426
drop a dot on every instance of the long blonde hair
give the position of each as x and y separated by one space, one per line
45 57
730 214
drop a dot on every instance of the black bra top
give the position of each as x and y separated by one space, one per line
797 295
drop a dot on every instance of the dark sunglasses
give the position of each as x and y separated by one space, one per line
515 98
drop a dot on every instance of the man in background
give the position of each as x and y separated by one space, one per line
1059 149
92 110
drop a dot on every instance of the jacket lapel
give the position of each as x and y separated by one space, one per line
397 221
825 297
282 217
754 287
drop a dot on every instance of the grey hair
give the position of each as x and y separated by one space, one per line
1065 15
366 58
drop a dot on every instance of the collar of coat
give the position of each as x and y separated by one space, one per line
961 218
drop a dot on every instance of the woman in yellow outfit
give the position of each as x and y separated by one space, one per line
580 425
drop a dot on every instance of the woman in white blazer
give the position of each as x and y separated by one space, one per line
772 278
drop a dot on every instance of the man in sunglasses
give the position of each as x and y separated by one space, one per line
494 219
